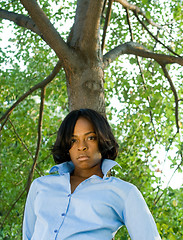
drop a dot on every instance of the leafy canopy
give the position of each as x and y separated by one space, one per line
149 111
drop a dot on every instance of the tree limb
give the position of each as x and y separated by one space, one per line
31 90
20 139
89 39
178 166
175 95
137 10
43 91
20 20
129 24
50 34
6 118
12 206
142 75
169 49
139 50
103 9
107 19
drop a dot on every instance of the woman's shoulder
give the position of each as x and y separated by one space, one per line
122 185
46 179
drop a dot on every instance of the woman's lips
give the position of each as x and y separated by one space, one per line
83 158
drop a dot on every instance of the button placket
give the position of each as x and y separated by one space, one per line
63 215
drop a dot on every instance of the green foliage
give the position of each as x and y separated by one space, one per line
143 119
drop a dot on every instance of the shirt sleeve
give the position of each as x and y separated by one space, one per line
138 219
29 213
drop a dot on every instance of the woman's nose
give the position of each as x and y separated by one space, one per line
82 146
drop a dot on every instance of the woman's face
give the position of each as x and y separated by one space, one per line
84 151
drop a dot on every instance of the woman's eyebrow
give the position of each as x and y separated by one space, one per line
85 134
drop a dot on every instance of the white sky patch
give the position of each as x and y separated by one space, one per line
164 170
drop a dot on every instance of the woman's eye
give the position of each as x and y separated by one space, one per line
73 140
92 138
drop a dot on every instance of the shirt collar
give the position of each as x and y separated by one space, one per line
68 167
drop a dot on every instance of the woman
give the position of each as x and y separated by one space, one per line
79 201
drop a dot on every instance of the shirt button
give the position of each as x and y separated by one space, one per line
68 195
63 214
55 231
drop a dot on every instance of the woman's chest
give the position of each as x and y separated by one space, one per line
90 196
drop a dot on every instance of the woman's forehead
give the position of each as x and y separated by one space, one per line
83 126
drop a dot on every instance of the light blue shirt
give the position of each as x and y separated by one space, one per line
94 211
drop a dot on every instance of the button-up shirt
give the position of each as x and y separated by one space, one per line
94 211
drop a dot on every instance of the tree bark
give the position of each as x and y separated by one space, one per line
85 88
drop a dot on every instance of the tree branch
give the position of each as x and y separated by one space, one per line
178 166
137 10
175 95
43 91
12 206
20 139
20 20
89 39
107 19
6 118
50 34
139 50
129 24
31 90
169 49
142 75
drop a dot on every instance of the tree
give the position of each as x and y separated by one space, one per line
127 50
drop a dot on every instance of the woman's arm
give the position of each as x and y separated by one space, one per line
29 213
138 219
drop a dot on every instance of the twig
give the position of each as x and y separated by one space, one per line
156 195
20 139
176 169
171 141
169 49
41 161
12 206
6 118
43 90
129 24
31 90
156 201
142 75
175 95
136 9
107 19
173 175
104 5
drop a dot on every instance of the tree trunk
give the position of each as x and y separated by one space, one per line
85 88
